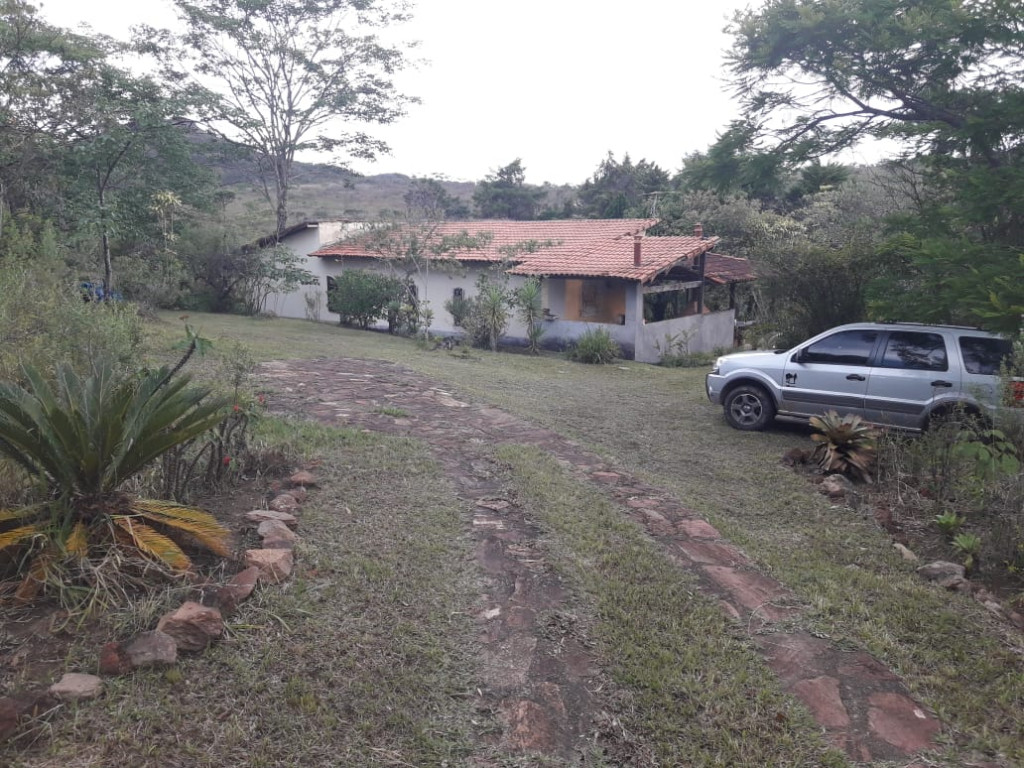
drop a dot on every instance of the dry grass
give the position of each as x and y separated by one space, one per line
658 424
365 658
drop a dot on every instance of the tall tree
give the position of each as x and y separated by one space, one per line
127 154
621 189
945 78
428 200
282 74
84 142
504 194
42 72
735 164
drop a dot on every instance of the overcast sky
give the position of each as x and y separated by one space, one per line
558 83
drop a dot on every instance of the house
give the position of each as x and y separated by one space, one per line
647 292
308 301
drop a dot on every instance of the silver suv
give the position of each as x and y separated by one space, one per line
898 374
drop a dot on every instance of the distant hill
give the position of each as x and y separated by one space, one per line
320 191
323 192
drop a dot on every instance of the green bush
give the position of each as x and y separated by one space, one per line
596 346
459 308
361 297
43 319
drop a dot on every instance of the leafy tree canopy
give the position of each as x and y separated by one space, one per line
943 78
621 189
504 194
427 200
279 75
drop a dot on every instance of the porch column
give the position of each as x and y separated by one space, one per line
635 312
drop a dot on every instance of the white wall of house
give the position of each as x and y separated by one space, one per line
309 302
705 333
435 286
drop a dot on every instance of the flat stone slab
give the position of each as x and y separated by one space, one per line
262 515
275 565
698 529
896 719
75 686
751 590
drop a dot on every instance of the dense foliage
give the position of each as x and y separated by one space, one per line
361 297
82 440
942 78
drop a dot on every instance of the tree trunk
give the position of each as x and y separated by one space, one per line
281 185
108 272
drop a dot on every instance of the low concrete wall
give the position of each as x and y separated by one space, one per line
706 332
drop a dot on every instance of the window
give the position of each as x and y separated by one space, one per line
331 284
983 355
458 293
843 348
915 351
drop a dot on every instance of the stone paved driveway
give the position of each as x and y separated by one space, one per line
539 686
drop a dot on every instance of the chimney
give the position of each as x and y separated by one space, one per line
636 250
698 230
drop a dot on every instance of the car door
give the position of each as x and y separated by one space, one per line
830 373
912 373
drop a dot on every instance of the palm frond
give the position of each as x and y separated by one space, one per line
20 535
201 525
21 512
152 543
77 542
35 579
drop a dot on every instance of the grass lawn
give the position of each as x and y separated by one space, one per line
362 659
393 616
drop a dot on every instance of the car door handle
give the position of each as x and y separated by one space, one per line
855 377
941 383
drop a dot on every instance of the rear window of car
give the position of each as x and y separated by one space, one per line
843 348
983 355
916 351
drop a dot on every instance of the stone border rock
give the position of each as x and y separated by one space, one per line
192 626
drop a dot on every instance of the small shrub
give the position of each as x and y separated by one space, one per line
459 308
361 297
83 440
846 444
43 319
595 347
969 547
490 311
528 300
949 523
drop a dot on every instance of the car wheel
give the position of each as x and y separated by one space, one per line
749 407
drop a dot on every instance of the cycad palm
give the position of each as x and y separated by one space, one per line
83 438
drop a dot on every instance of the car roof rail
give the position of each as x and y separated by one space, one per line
931 325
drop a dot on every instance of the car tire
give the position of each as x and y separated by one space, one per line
749 407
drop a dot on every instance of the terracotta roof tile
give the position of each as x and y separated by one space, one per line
569 237
615 258
724 269
578 248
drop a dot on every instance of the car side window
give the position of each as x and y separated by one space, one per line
843 348
984 355
914 350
